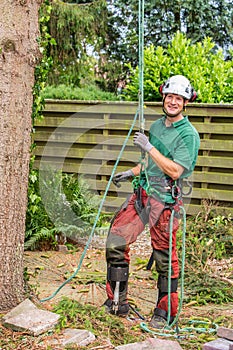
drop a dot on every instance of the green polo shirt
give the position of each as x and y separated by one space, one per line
179 142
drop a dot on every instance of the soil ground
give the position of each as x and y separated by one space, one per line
48 270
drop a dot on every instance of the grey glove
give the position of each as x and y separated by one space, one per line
123 176
142 141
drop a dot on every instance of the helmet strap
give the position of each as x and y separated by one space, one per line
184 108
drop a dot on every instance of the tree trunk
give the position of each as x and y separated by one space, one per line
18 55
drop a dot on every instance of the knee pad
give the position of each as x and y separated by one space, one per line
115 249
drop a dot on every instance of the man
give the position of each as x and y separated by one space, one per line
172 149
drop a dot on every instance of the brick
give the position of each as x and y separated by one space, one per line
226 333
151 343
62 248
218 344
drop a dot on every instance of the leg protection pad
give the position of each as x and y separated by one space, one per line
115 249
163 304
118 274
163 284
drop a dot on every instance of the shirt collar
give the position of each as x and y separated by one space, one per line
180 122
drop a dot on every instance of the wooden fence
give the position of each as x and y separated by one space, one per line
87 137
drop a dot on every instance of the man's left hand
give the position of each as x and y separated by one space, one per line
142 141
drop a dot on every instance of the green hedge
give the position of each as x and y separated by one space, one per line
209 72
87 93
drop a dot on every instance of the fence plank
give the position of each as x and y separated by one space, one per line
216 128
215 162
215 145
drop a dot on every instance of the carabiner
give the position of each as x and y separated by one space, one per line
176 192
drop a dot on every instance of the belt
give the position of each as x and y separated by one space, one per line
168 185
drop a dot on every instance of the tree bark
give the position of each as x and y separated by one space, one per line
18 56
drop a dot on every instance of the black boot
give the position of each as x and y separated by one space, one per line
159 318
122 311
117 285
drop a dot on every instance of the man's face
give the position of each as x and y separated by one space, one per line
173 105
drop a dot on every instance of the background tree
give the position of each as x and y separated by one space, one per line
18 57
197 20
95 38
79 30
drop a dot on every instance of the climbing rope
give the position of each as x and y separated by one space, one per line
168 327
170 267
141 65
168 331
98 214
141 123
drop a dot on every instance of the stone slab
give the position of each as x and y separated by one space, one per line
26 305
80 337
226 333
218 344
26 317
151 343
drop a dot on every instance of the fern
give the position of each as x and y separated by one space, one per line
44 234
60 205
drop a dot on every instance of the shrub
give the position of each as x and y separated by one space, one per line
209 239
208 71
91 92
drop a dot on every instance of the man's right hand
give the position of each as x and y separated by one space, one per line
121 177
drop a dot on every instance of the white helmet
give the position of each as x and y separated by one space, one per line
179 85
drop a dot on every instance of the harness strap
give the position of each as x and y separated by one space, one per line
142 211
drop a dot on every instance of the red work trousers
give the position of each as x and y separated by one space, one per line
126 227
